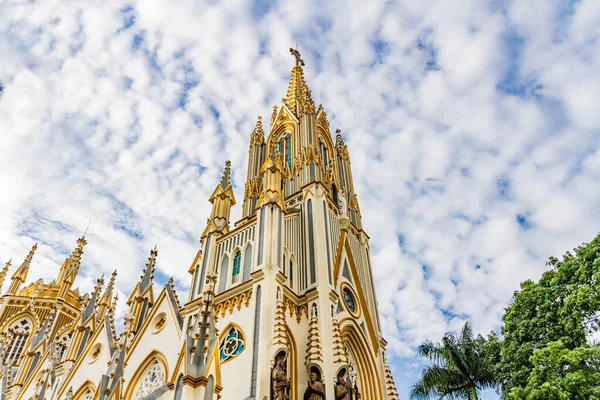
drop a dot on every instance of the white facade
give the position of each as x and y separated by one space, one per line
291 278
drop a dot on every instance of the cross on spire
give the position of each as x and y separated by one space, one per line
296 54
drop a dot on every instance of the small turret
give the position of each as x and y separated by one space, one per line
4 273
70 268
256 158
20 275
90 307
142 298
106 302
273 172
222 200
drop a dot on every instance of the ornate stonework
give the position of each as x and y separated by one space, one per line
281 305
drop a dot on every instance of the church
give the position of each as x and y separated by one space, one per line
281 305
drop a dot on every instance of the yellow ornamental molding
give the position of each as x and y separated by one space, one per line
228 305
314 353
280 334
390 386
295 309
338 347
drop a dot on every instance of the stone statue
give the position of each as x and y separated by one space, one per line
281 383
342 389
343 203
315 389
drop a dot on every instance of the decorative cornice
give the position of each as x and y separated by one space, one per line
236 301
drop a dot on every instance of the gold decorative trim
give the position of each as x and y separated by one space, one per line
236 301
195 382
295 309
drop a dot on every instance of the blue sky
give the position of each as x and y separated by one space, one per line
473 129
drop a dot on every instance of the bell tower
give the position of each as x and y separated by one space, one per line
295 305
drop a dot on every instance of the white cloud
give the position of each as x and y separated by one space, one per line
459 118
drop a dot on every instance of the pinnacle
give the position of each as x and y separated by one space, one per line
298 98
27 261
226 179
338 137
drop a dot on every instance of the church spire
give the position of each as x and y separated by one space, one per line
256 158
148 275
142 298
70 268
90 307
226 178
106 302
298 98
20 274
222 200
4 273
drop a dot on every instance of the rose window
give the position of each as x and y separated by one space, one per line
153 378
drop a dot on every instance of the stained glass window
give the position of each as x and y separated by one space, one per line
231 345
153 378
323 149
349 300
18 335
237 259
285 148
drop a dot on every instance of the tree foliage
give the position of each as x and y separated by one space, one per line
562 374
545 350
460 367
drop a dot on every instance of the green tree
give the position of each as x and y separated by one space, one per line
562 307
460 367
562 374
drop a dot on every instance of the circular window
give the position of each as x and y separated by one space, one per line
95 352
159 322
349 300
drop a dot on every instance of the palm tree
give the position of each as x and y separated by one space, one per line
460 368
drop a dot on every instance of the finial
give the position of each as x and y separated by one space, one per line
4 272
80 243
274 114
296 54
171 281
100 281
258 134
211 280
27 261
226 179
86 229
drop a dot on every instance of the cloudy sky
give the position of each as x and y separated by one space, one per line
473 129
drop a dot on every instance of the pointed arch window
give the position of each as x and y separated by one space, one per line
285 149
237 262
324 155
17 337
153 378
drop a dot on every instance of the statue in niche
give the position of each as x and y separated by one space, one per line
343 203
281 383
315 389
342 389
